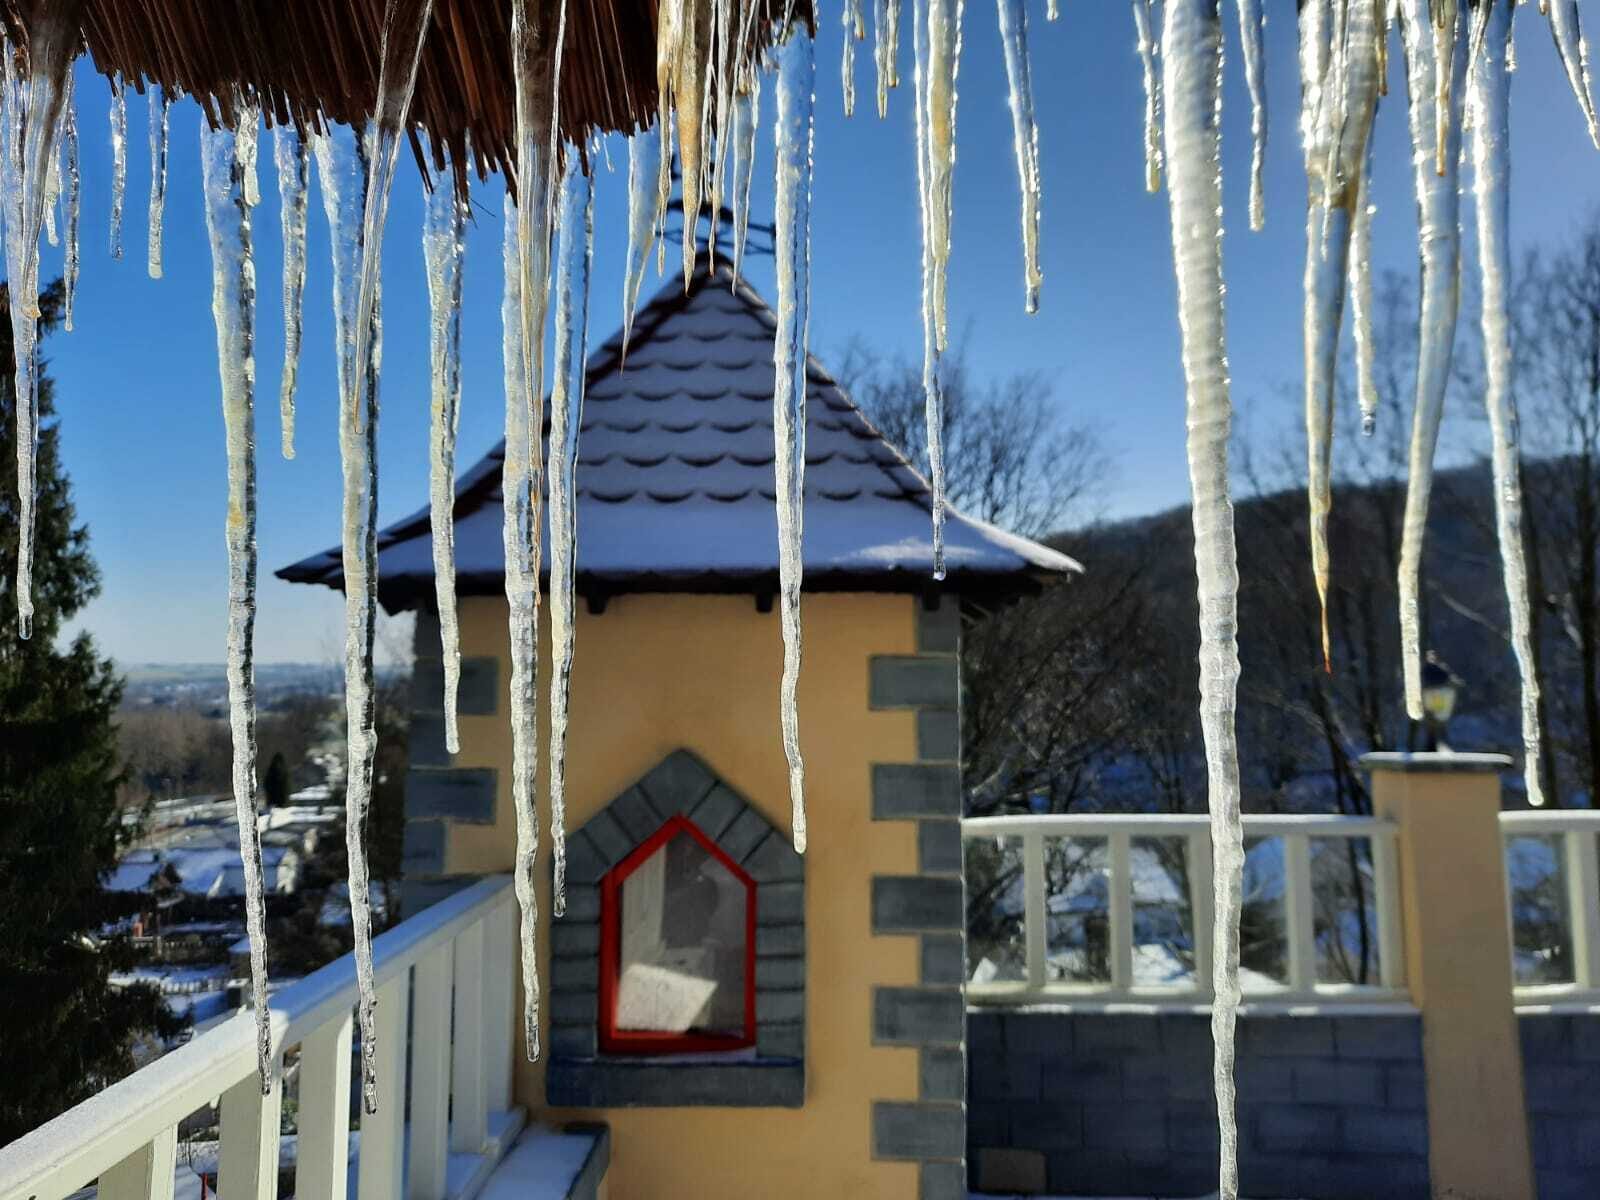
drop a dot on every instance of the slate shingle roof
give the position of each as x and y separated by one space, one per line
675 479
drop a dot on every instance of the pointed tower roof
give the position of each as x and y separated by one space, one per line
676 480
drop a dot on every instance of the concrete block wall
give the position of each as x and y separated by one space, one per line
1116 1104
1561 1076
930 906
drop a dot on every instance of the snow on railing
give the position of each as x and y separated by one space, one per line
1128 862
456 955
1552 862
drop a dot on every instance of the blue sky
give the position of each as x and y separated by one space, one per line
138 391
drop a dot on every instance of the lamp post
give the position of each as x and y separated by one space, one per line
1440 689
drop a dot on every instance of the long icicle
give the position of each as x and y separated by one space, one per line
1490 97
644 218
1013 17
294 169
444 247
792 144
1574 53
746 115
405 24
119 160
885 48
1252 41
160 106
536 50
574 256
1191 50
32 121
1439 241
854 28
74 183
233 308
1145 44
1361 307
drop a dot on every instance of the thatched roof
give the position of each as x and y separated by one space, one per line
310 60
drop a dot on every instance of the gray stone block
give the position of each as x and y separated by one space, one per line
1390 1037
425 741
1187 1035
1265 1078
716 810
1565 1185
1082 1081
1107 1034
418 894
1007 1171
477 695
941 1074
425 642
912 1131
780 1041
916 903
422 850
573 1008
633 1083
1348 1084
583 903
774 861
1545 1037
1551 1088
573 1041
744 835
780 1007
944 958
939 734
637 816
1010 1077
1047 1127
585 864
1192 1132
917 1016
780 940
1126 1127
913 681
1039 1032
575 974
987 1125
1376 1178
1286 1036
1586 1037
939 628
942 1181
465 794
573 939
780 974
427 683
1147 1077
780 904
678 782
939 847
986 1039
609 838
1296 1129
907 790
1075 1173
1405 1087
1369 1131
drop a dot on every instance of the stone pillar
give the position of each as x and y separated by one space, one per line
1458 967
929 905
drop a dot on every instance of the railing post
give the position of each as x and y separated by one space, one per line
1458 966
499 999
1386 904
469 1129
383 1138
1298 920
1200 910
1583 905
1033 907
150 1171
1120 915
322 1164
430 1076
248 1165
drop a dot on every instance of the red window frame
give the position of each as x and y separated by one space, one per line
639 1041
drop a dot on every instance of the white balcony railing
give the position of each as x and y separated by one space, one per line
1553 897
452 959
1290 891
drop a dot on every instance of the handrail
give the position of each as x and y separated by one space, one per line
1579 833
1119 830
100 1133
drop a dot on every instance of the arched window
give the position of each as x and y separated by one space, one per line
677 947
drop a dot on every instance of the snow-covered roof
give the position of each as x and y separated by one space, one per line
676 479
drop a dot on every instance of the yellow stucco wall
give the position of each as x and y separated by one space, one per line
655 673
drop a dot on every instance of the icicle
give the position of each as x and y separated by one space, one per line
52 190
1052 10
31 123
1439 241
293 163
644 215
939 78
1490 95
1574 52
1361 308
724 38
444 247
1191 51
1013 16
1144 27
1251 38
853 29
536 57
792 144
359 332
119 160
74 199
1447 99
885 48
932 388
233 307
247 146
574 254
746 115
160 103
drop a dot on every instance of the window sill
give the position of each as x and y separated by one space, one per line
719 1081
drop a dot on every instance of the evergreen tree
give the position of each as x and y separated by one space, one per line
276 783
67 1032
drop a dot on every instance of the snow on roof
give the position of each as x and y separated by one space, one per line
676 479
